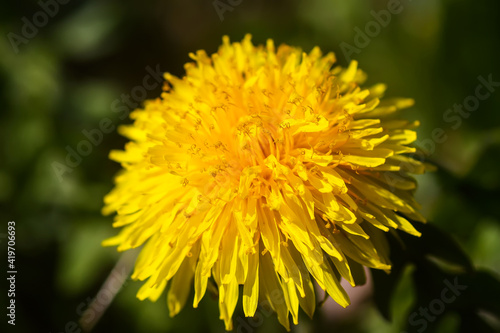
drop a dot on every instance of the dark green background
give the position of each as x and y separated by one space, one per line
65 79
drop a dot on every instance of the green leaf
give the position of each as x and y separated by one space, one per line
472 322
484 292
383 289
384 284
357 271
439 247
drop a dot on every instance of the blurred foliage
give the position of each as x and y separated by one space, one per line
66 78
445 282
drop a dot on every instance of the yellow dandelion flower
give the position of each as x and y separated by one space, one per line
267 169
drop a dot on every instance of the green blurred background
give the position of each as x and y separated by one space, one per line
65 79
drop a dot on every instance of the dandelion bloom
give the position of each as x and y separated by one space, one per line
264 168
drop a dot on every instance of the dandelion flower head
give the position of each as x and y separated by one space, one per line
263 169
